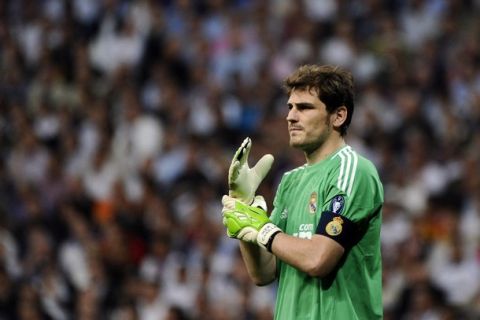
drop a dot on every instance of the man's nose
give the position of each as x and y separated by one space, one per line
292 115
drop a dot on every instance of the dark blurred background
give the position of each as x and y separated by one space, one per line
119 119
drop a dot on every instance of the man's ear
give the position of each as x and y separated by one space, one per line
339 116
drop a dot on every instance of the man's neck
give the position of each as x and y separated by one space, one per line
326 149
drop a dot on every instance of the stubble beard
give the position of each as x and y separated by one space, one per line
309 147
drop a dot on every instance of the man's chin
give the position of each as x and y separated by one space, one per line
295 142
303 145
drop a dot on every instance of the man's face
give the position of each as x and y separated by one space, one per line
309 124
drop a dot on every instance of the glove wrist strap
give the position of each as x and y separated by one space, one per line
266 235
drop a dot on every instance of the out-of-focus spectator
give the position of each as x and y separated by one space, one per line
9 254
455 272
150 302
28 161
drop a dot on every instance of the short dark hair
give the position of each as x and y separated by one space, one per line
333 85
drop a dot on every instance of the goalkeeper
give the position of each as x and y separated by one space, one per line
322 239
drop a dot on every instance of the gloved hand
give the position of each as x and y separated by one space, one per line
249 223
243 181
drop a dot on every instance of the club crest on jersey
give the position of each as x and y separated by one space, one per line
337 204
312 204
334 227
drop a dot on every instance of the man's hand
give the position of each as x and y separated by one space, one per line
249 223
243 181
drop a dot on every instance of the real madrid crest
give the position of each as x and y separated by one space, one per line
334 227
312 204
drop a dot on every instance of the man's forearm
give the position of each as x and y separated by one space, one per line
316 256
260 264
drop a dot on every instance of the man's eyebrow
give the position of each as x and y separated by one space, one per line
302 104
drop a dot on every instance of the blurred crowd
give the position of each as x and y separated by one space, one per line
119 119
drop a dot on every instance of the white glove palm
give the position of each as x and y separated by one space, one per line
243 181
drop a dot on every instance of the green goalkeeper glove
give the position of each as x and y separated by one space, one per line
249 223
243 181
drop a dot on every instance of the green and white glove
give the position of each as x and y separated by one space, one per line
243 181
249 223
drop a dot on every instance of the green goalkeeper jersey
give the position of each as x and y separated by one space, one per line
340 197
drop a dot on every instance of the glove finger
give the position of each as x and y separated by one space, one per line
241 155
225 223
244 151
228 203
228 214
259 202
233 172
238 154
263 166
